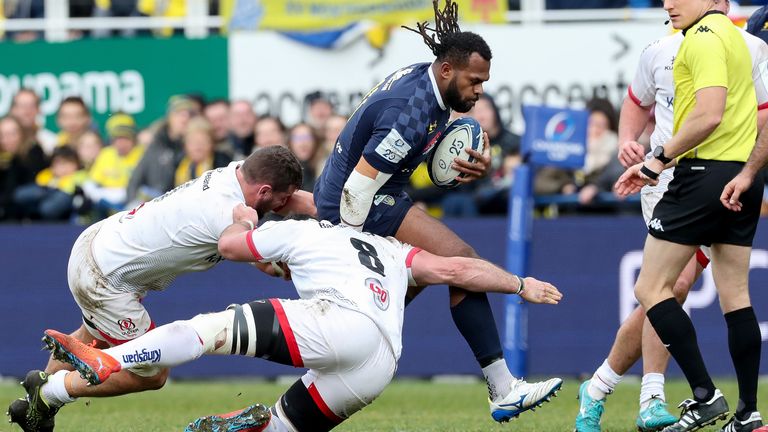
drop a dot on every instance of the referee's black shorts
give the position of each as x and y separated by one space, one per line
690 212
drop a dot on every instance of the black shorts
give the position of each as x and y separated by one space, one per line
690 212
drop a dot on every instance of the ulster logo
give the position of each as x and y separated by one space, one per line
380 295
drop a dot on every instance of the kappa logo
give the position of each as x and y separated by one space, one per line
703 29
655 224
671 65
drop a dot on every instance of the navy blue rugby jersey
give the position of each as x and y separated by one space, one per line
394 128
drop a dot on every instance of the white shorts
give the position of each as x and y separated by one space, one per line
350 361
648 201
110 315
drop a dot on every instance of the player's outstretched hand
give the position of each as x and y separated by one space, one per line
630 182
537 291
733 190
242 213
630 153
477 169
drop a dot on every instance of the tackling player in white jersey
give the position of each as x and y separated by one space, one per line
653 87
346 328
116 262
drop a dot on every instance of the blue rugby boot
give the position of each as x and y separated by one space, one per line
590 411
255 418
655 417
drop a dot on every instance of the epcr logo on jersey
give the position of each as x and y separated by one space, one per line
380 295
702 298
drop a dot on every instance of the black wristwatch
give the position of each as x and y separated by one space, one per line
658 153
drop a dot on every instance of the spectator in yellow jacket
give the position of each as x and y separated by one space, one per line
110 173
50 197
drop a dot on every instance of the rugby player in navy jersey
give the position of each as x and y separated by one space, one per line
389 134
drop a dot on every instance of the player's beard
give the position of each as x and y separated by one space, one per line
454 100
263 208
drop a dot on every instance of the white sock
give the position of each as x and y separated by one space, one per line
652 387
55 392
498 378
166 346
603 382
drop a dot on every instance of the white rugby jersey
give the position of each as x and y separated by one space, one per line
146 248
653 82
355 270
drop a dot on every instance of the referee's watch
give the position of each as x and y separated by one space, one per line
658 153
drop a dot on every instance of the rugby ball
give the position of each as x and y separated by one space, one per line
464 132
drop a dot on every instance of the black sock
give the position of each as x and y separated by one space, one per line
744 343
474 319
676 331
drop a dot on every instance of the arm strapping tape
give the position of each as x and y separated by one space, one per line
357 198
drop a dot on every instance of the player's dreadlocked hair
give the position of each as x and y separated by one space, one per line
447 41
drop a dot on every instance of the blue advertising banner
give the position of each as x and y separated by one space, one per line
555 136
593 261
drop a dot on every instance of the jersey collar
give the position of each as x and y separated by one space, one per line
712 12
435 89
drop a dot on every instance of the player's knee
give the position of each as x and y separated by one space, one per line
213 329
642 294
681 288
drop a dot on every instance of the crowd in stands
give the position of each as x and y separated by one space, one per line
78 174
11 9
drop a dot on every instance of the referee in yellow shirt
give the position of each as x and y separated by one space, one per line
714 133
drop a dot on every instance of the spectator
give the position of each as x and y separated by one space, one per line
88 146
242 123
110 173
32 155
304 143
23 9
80 9
50 196
492 193
217 114
331 132
14 171
73 119
424 193
164 8
26 108
599 174
155 173
115 8
270 131
319 110
200 154
585 4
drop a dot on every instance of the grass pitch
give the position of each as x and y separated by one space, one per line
404 406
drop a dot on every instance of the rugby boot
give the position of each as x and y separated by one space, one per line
94 365
522 397
255 418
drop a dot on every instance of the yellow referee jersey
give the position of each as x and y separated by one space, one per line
714 54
